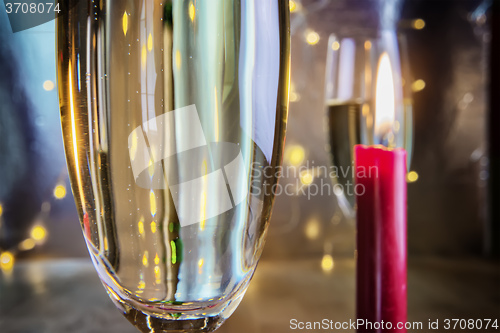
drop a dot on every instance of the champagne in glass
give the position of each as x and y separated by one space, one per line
171 110
351 74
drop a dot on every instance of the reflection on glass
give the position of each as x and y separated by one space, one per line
170 112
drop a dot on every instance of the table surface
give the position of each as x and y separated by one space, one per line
61 296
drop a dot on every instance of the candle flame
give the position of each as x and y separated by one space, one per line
384 98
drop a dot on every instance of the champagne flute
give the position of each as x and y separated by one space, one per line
352 68
171 110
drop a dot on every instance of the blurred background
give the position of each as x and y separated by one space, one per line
452 203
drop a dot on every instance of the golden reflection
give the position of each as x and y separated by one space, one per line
157 259
27 244
335 46
140 226
145 259
158 274
6 261
60 191
38 233
192 11
150 42
152 202
153 227
293 6
73 133
368 45
1 209
141 285
125 23
106 245
327 263
200 266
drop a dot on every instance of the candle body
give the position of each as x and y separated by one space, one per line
380 175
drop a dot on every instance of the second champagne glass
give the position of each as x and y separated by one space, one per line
174 116
355 65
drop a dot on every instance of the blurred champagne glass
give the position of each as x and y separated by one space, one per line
171 112
354 68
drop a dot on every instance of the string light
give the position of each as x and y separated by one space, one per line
312 38
27 245
6 261
412 177
312 229
39 234
327 263
418 85
60 191
418 24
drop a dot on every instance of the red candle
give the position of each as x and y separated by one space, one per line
381 237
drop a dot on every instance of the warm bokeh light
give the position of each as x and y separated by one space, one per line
312 38
38 233
48 85
192 11
125 23
384 97
418 85
27 244
293 6
327 263
200 265
1 209
306 177
60 191
294 97
312 229
145 259
153 227
412 177
368 45
157 259
418 24
7 261
295 155
335 46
